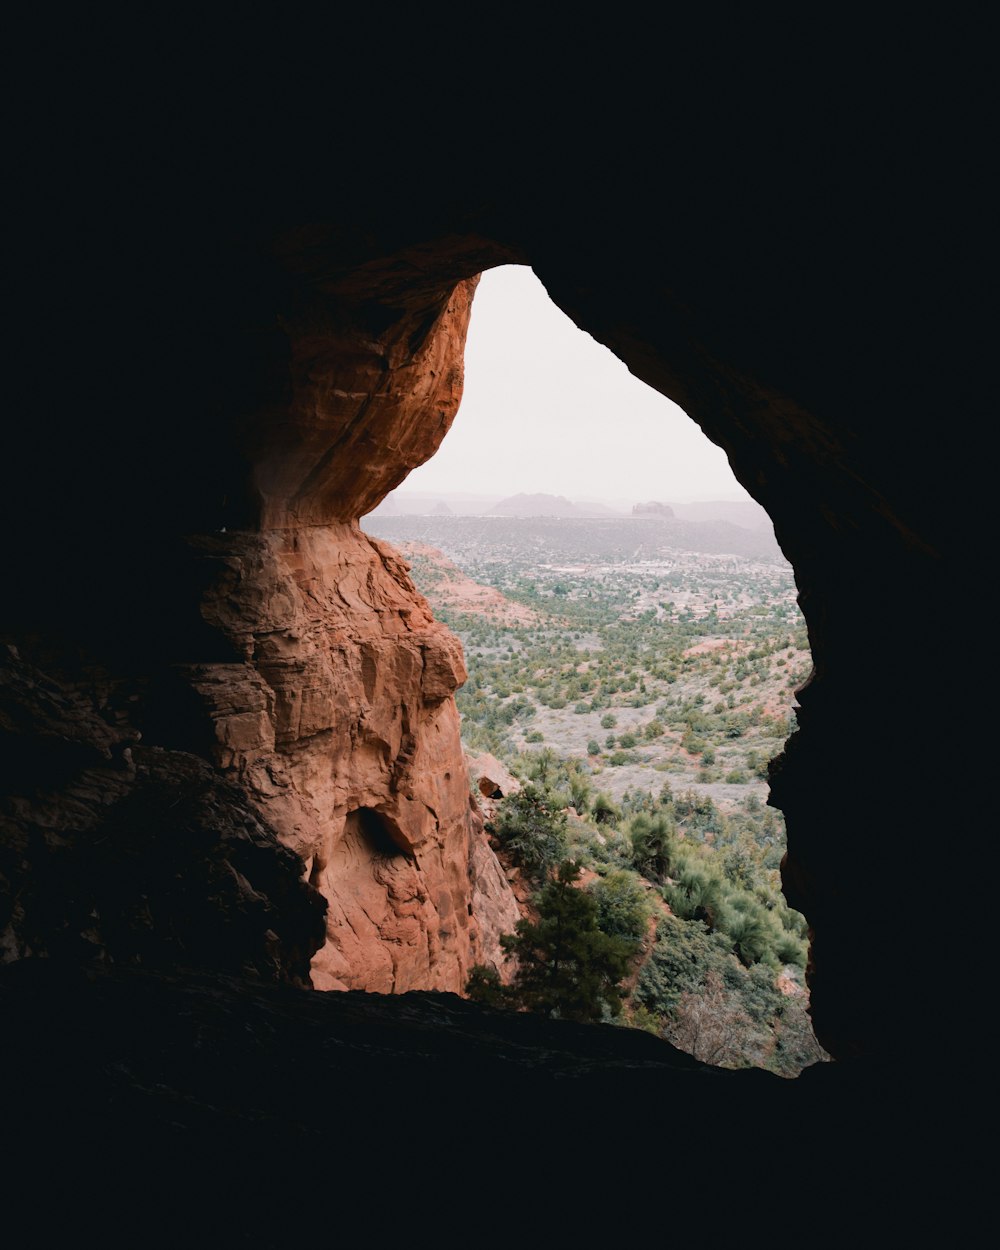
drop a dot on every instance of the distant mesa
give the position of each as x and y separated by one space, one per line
535 505
653 509
578 536
549 505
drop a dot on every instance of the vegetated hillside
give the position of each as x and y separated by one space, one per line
641 707
451 590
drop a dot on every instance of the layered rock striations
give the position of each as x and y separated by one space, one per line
293 667
341 725
360 404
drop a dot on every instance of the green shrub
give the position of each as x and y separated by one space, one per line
790 950
749 933
532 831
579 790
485 986
604 810
684 953
567 966
623 908
654 844
697 894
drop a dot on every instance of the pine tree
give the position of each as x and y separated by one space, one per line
532 830
653 844
567 967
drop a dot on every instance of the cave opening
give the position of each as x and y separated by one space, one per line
634 647
376 833
811 283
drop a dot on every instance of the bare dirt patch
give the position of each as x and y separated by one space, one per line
445 585
717 644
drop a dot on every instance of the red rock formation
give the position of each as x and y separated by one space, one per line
364 409
341 725
493 780
319 682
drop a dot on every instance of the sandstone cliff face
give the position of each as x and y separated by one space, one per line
340 722
362 406
294 657
334 735
341 726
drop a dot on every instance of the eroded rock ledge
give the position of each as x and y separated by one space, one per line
247 1112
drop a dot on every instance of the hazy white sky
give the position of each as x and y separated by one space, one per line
548 409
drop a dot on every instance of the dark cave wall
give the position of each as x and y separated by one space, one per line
792 325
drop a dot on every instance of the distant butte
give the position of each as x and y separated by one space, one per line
653 509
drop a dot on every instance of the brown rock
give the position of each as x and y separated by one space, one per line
383 402
492 779
116 852
342 728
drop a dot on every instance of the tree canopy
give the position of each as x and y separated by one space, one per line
567 965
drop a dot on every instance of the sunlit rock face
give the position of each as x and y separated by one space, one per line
340 724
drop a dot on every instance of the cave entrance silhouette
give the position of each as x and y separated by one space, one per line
626 648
